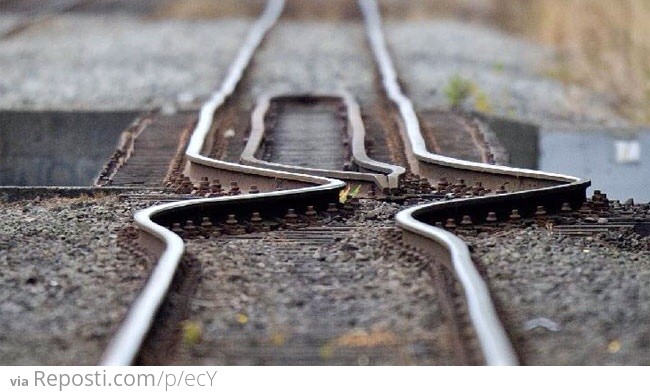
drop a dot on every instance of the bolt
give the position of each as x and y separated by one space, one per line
540 211
566 207
256 222
477 187
234 188
232 226
514 215
231 220
190 229
185 187
425 187
599 200
291 216
501 190
204 184
206 227
491 217
178 230
442 183
331 208
311 213
254 190
460 185
466 221
256 219
215 190
451 224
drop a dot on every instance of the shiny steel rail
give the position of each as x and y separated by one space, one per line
168 247
529 189
528 186
389 180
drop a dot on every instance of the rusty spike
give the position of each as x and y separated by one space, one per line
178 230
234 188
491 217
514 215
450 224
291 216
256 218
231 220
311 213
189 228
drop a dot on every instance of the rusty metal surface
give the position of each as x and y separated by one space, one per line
149 153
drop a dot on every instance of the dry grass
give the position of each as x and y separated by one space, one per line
427 9
205 9
294 9
606 43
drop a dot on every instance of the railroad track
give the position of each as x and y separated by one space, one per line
446 130
305 143
529 190
496 191
300 296
169 248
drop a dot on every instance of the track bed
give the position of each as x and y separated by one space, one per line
340 294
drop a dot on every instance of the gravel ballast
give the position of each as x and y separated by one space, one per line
570 300
116 61
333 295
66 282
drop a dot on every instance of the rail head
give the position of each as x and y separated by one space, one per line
493 339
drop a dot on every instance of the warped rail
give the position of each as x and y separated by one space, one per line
529 188
388 180
167 246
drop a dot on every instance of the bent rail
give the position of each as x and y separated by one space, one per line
167 246
531 188
356 132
